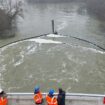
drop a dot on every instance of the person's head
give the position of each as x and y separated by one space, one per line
60 90
51 92
36 89
1 91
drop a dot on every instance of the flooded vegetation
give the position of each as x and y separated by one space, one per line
8 13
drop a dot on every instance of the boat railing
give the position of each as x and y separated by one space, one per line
67 94
71 98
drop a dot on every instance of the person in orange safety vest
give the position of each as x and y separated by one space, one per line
51 99
3 98
38 98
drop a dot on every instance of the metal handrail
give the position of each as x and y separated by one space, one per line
67 94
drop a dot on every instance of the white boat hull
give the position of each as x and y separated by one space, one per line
71 99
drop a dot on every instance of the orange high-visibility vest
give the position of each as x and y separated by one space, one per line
38 98
51 100
3 101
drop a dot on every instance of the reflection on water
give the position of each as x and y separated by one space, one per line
54 62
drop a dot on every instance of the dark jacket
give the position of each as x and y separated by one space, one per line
61 97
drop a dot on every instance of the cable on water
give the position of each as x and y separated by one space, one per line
63 43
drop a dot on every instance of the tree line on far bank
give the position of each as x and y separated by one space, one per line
94 7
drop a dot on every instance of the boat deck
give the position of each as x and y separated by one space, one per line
27 99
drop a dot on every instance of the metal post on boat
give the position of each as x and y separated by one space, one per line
53 27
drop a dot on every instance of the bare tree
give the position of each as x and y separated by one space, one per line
9 9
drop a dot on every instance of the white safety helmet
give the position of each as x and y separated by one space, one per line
1 90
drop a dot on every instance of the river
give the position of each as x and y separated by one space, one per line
54 61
